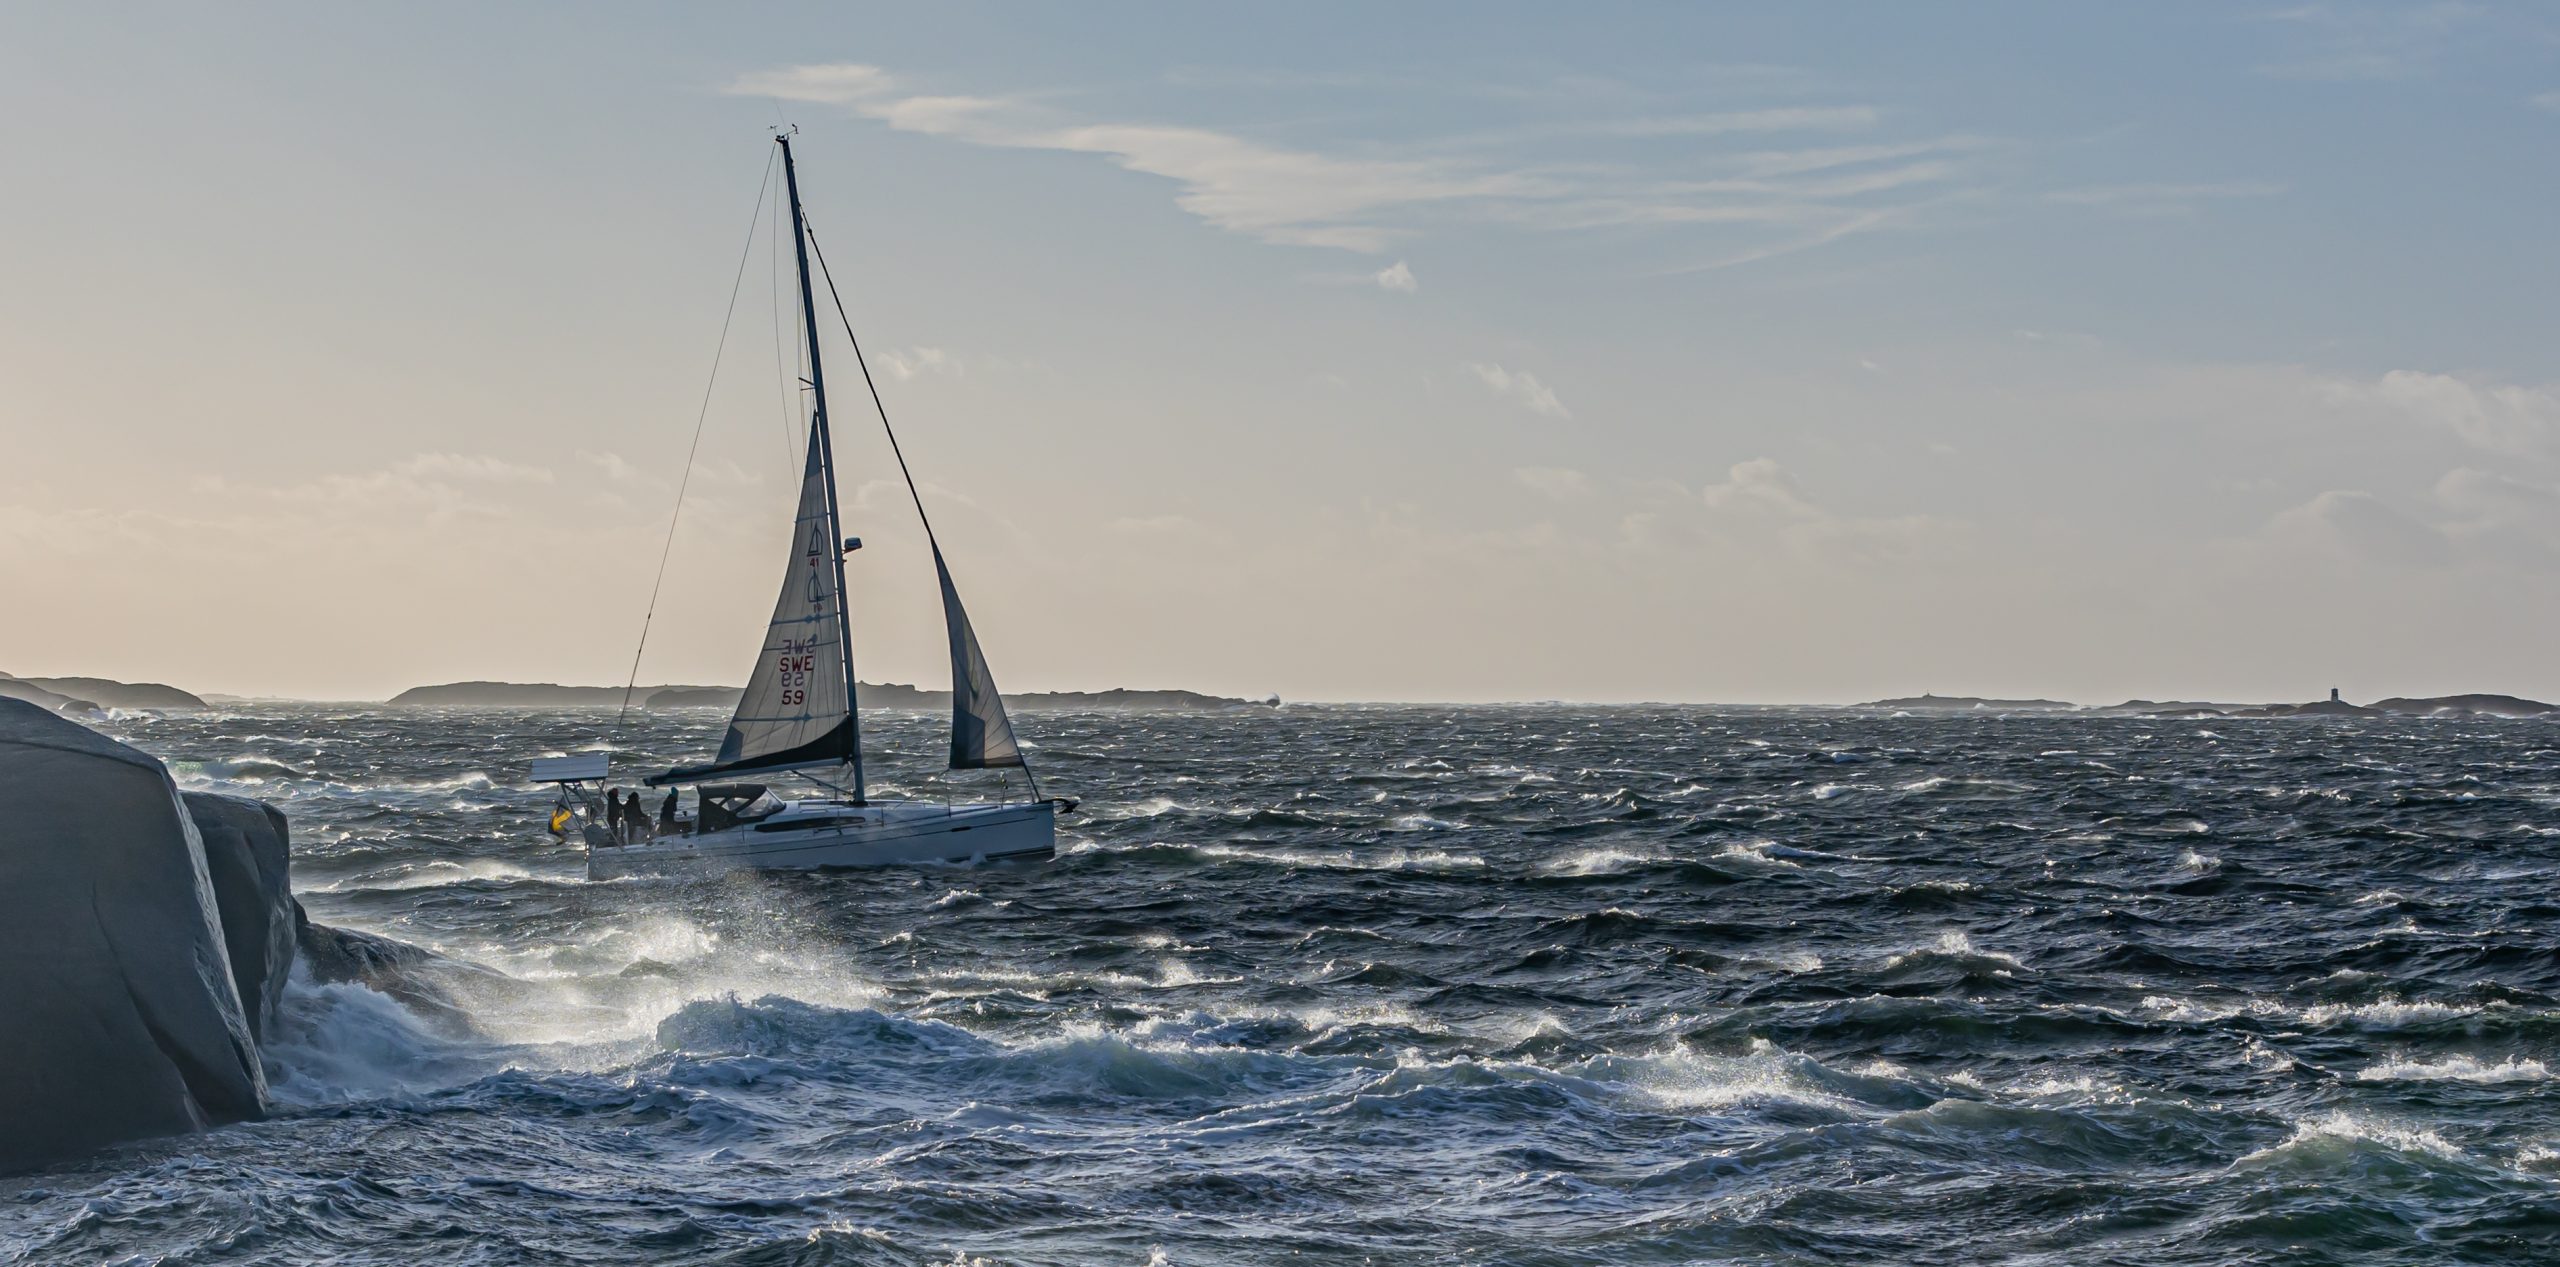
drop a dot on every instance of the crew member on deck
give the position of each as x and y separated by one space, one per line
667 814
613 812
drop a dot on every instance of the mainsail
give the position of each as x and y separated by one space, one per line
797 711
981 735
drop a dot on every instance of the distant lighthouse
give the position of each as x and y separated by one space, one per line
2333 696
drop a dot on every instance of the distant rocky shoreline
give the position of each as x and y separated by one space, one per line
81 696
92 697
2473 705
872 695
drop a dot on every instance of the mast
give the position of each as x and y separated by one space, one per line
826 458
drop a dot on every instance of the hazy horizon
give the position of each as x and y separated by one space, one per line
1441 353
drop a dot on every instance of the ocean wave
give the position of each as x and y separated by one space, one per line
244 770
1955 947
1760 853
2456 1068
1565 989
2331 1138
1600 861
429 874
340 1042
2384 1013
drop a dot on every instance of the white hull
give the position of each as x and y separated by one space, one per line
811 835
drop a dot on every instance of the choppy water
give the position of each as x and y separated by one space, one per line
1419 985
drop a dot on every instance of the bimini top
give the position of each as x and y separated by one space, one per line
578 769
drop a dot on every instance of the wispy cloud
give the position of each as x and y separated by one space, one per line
2505 418
1397 277
1367 201
1288 196
2160 199
1521 388
2359 526
2355 42
903 364
1556 483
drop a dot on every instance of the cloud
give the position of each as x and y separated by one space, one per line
1286 196
2356 526
1759 486
616 469
1365 202
2160 199
1398 278
1759 517
837 84
1783 119
2363 43
2546 100
2501 418
1522 388
1556 483
911 363
473 468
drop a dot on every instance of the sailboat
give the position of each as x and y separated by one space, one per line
800 716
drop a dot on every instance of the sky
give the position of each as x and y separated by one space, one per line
1716 353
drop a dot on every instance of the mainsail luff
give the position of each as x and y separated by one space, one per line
824 444
799 709
795 712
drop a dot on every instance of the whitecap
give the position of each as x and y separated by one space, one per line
2384 1013
1758 853
2345 1128
2456 1068
432 874
1954 944
1154 807
1598 861
1681 1078
332 1043
1793 961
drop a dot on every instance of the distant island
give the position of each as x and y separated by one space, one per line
2476 705
92 697
873 695
1969 703
93 694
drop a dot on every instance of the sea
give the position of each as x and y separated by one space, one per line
1410 985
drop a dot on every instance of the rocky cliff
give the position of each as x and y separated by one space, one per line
146 938
116 977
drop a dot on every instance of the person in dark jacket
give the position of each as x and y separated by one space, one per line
667 813
613 812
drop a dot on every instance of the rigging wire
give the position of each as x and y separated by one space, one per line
784 380
865 366
755 219
892 432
